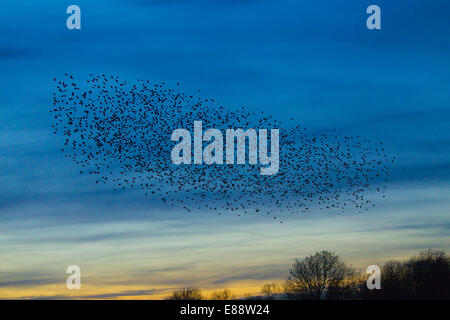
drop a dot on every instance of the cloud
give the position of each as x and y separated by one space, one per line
27 278
15 53
28 282
126 293
248 273
118 294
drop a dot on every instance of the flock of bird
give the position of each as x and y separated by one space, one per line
120 133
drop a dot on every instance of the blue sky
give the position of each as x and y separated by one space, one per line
313 61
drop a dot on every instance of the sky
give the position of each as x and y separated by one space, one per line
314 61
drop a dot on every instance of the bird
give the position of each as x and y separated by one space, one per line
119 131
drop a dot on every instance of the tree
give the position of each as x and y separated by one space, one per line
186 294
393 281
429 275
313 276
273 291
425 276
224 294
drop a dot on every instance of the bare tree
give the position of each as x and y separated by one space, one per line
224 294
394 280
272 290
311 277
186 294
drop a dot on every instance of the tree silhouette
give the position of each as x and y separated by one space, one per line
324 275
425 276
429 273
186 294
224 294
315 276
272 290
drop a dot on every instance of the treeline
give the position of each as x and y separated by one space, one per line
324 275
196 294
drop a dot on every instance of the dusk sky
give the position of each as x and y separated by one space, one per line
313 61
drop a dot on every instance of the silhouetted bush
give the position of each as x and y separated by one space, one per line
273 291
425 276
186 294
224 294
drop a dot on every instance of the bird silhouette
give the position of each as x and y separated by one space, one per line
119 132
